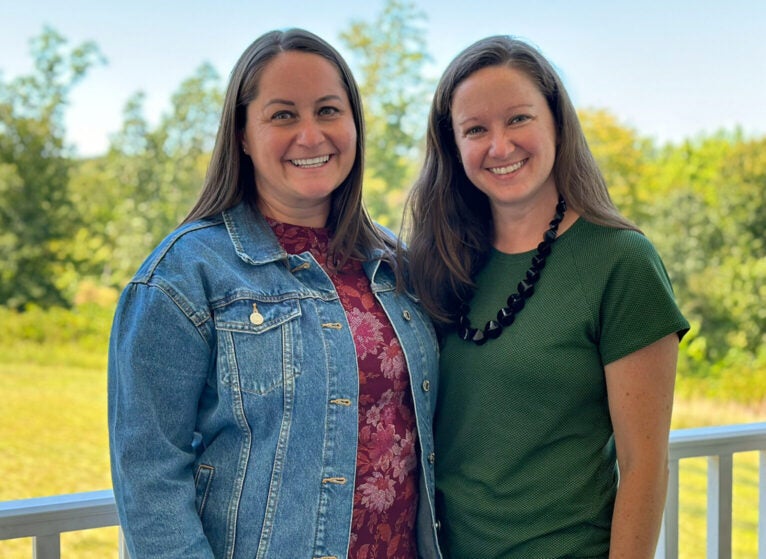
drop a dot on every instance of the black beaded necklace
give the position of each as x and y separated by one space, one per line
516 301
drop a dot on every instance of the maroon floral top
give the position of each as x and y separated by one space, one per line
385 496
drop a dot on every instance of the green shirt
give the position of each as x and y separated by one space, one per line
525 457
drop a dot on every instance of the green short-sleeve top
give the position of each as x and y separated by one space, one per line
525 457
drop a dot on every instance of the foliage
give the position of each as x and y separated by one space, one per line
391 52
71 337
147 182
36 212
710 228
624 158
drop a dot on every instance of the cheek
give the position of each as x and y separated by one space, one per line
351 138
469 157
261 143
345 142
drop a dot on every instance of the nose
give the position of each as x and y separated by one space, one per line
501 144
310 133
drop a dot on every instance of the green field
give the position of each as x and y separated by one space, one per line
54 441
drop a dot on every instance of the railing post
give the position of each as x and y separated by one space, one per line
719 506
667 548
762 504
123 546
46 547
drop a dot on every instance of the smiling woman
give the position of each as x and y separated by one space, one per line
572 369
269 383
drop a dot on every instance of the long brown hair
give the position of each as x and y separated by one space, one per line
449 220
230 178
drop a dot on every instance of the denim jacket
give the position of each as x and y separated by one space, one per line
233 390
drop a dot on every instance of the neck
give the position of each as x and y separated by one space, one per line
518 230
308 216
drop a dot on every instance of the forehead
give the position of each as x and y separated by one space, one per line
298 72
496 82
494 85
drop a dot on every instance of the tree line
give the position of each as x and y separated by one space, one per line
68 222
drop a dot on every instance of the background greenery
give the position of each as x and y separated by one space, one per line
73 230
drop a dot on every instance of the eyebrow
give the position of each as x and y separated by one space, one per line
512 108
292 103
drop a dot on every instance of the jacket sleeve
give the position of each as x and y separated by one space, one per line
159 361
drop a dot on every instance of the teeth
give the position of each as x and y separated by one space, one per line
313 162
509 169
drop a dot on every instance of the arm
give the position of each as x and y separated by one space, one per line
158 364
640 392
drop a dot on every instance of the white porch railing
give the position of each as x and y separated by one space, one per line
718 445
45 519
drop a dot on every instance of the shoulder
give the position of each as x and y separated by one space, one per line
604 237
601 246
610 259
189 242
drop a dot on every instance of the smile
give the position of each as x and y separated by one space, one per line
310 163
509 168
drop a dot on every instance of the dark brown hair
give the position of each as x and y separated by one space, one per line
448 220
230 178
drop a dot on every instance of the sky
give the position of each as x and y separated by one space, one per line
670 69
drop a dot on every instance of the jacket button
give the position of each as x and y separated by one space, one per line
406 314
426 385
299 267
431 458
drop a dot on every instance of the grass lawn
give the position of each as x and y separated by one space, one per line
54 441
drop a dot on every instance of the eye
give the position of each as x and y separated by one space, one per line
282 115
329 111
518 119
474 131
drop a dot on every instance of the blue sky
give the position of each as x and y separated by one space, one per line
670 69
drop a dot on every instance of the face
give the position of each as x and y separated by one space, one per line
506 137
301 137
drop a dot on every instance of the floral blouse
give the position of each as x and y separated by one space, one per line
385 496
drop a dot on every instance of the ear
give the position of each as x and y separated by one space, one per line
243 142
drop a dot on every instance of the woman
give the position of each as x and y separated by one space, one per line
269 387
560 327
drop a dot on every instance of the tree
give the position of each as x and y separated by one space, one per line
624 159
148 180
391 55
36 214
710 230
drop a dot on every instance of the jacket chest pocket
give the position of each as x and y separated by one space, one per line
259 343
